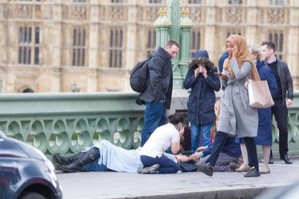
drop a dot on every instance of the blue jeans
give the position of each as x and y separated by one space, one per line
166 165
94 166
198 130
154 116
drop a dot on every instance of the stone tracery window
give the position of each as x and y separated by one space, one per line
277 2
235 2
79 47
29 45
195 1
155 1
277 38
195 41
117 1
151 42
116 47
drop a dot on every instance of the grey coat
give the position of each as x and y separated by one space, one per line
236 116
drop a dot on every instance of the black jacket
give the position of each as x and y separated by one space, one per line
160 85
286 80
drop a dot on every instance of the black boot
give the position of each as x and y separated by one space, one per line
77 165
67 160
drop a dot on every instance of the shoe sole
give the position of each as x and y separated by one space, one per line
67 170
203 170
150 170
264 172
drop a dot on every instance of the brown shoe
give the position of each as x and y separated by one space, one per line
243 168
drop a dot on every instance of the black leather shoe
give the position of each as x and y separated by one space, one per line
286 159
252 173
206 169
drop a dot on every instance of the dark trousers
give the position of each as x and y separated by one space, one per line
219 142
166 165
280 112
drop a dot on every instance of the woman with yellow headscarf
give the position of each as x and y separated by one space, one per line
236 118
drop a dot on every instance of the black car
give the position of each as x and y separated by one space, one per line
25 172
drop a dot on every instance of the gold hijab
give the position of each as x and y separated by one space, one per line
242 56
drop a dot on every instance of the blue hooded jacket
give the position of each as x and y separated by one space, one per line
202 96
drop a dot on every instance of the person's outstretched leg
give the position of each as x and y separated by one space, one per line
244 166
219 142
252 157
91 155
67 160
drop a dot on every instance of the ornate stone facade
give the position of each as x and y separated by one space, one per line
91 45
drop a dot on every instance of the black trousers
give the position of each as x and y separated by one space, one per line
219 142
280 112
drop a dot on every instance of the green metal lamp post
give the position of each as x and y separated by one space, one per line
174 23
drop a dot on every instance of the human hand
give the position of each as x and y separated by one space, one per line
199 149
289 102
221 75
182 158
203 71
234 53
194 157
196 72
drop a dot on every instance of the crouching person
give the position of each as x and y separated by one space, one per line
153 155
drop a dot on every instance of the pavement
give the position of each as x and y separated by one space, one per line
116 185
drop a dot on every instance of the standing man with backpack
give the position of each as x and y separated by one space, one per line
157 95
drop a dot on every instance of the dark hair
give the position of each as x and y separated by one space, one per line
270 45
171 43
205 62
176 118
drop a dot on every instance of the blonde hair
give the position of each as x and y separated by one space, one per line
257 50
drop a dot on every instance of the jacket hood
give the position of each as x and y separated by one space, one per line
195 62
200 54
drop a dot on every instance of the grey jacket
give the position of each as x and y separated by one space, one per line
286 80
236 116
161 81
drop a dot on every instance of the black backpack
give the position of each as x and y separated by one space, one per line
139 77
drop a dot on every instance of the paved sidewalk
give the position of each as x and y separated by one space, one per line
96 185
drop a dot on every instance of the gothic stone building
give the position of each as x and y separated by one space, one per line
91 45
